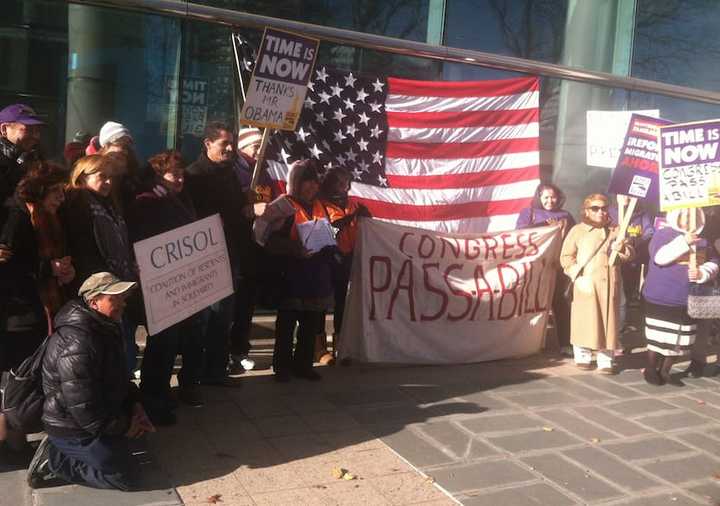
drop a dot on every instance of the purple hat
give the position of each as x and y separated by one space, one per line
20 113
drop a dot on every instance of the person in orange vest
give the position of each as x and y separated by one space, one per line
343 214
304 246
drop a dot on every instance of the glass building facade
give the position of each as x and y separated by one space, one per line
164 76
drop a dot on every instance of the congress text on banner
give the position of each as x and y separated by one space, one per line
279 82
424 297
183 271
690 165
636 173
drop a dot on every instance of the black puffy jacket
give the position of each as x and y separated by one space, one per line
84 375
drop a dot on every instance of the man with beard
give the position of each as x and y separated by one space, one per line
214 188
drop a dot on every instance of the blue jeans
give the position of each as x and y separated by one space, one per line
100 462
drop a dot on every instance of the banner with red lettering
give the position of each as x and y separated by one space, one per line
423 297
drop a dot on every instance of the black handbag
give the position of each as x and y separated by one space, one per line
704 300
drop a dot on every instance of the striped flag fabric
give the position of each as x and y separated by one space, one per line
446 156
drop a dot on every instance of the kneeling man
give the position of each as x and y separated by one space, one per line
91 407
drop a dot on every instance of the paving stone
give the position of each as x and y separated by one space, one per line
537 494
708 491
576 425
661 391
13 487
702 442
661 500
655 447
454 439
538 440
611 468
681 470
709 397
628 376
276 426
697 404
611 421
489 402
76 495
637 407
415 450
533 384
674 421
607 386
480 475
497 423
567 384
478 449
542 399
379 396
571 477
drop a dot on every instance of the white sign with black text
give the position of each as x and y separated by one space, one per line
183 271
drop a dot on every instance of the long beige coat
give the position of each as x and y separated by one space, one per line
596 295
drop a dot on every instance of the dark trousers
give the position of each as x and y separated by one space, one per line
310 323
340 285
184 338
101 462
245 298
561 311
216 336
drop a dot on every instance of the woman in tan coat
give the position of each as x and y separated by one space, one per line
596 294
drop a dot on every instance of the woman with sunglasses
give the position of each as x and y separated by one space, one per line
585 258
546 209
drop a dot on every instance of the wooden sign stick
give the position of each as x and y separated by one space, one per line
693 248
623 227
260 159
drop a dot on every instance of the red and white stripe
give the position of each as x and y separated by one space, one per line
460 157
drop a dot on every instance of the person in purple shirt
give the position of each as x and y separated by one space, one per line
669 330
546 209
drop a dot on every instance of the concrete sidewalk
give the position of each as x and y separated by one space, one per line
516 432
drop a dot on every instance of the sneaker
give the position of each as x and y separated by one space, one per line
191 397
240 364
38 473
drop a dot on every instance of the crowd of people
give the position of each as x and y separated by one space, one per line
68 274
604 273
67 271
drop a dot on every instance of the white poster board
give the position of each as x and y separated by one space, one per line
279 80
422 297
183 271
606 134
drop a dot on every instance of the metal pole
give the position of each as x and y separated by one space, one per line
404 47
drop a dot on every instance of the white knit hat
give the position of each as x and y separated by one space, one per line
111 132
248 136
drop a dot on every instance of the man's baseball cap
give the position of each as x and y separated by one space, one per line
20 113
104 283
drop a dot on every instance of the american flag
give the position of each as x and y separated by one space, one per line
444 156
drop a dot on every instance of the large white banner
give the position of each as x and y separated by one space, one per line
428 298
183 271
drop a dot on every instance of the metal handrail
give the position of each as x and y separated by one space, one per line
192 11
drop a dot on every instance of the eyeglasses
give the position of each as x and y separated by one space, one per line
597 209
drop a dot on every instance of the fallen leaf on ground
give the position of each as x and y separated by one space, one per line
214 499
548 429
594 440
338 473
430 479
702 403
348 476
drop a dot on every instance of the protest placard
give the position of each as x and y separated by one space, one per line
418 296
279 81
183 271
636 173
606 133
689 170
